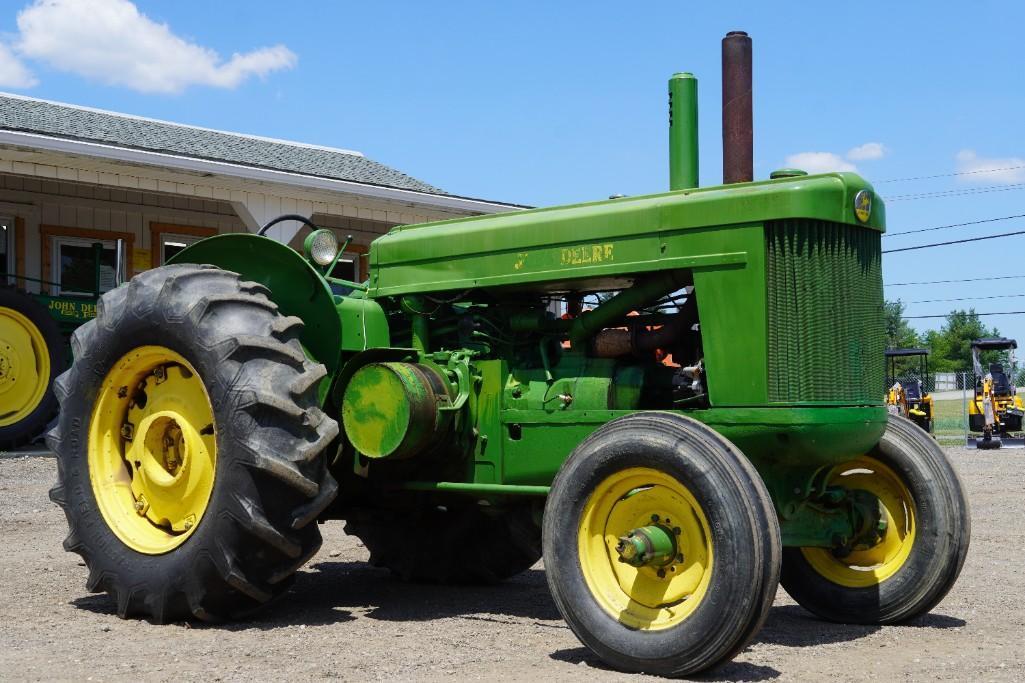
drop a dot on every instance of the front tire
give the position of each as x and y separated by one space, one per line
924 547
704 601
190 446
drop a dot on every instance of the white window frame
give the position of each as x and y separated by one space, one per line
11 248
55 258
165 237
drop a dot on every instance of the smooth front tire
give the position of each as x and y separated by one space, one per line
190 446
703 601
920 554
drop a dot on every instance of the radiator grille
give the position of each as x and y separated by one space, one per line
826 330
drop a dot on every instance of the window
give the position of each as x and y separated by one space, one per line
347 267
74 265
6 249
171 244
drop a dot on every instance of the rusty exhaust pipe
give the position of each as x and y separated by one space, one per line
737 109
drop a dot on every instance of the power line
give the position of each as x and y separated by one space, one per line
966 298
955 193
916 317
943 244
952 225
943 282
948 175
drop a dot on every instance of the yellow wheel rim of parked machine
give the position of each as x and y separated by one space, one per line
24 367
870 567
152 449
648 597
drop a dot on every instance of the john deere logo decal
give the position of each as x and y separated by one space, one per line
863 205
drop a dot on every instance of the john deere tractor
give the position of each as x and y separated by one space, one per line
34 350
907 394
995 410
485 398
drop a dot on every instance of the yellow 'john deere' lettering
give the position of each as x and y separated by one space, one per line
586 255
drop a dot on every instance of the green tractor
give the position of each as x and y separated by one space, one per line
34 349
673 398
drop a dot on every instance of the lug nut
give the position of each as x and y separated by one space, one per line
654 518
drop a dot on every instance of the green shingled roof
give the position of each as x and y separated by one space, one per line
52 119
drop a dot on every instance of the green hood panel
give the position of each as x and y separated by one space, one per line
606 238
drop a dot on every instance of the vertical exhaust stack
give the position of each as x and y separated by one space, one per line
737 109
683 131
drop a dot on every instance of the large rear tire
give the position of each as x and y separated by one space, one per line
920 555
638 477
32 354
190 446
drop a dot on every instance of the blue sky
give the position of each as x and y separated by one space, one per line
545 103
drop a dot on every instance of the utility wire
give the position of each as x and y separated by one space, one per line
943 282
955 193
952 225
948 175
944 315
943 244
966 298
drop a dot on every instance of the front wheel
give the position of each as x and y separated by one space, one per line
661 546
919 554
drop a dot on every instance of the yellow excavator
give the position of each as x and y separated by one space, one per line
909 397
996 409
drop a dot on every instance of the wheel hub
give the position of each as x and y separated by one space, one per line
653 545
152 450
24 366
645 548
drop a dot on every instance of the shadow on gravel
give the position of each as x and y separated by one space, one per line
332 591
733 671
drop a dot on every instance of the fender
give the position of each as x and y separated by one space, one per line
295 285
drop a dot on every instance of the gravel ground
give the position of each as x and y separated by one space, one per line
346 620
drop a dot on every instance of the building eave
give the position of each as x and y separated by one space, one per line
220 168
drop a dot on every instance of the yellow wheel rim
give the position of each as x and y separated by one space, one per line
648 597
152 449
870 567
24 367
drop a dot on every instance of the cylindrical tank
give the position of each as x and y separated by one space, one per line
391 410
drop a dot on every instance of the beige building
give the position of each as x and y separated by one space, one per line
71 177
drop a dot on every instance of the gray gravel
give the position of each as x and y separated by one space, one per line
346 620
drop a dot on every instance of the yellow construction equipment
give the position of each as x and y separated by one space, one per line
995 411
907 394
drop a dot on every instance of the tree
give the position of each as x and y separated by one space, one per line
899 334
951 347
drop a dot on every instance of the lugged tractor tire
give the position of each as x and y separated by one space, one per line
675 618
928 514
32 355
455 544
235 360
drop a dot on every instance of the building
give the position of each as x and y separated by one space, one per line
72 177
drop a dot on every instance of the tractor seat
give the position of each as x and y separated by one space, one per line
1001 385
913 391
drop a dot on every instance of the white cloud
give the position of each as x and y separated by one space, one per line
819 162
112 42
1006 170
870 151
13 74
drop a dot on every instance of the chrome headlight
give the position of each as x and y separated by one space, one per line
322 247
